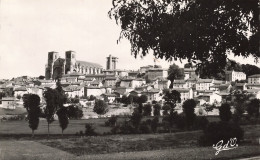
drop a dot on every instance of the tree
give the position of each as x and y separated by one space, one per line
74 112
253 108
62 111
171 98
41 77
136 119
224 112
52 104
142 99
188 109
92 98
208 107
188 65
174 72
100 107
63 118
200 31
31 103
124 99
156 109
147 110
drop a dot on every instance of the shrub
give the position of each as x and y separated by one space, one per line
180 121
74 112
224 112
200 123
90 131
157 109
111 121
188 109
136 119
154 124
147 110
253 108
145 128
100 107
217 131
128 128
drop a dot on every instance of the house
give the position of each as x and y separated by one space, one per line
210 98
186 93
95 91
8 102
254 79
132 82
190 73
153 73
135 93
254 92
221 87
161 83
123 90
110 98
204 84
73 91
20 91
180 84
110 81
153 94
191 82
253 86
240 86
233 76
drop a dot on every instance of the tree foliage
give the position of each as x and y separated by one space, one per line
156 109
171 98
74 112
202 31
253 107
224 112
31 103
188 109
100 107
174 72
147 110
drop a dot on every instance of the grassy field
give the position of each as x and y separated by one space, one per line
180 145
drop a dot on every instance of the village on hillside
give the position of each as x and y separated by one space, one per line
88 81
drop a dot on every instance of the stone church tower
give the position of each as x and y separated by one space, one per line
57 67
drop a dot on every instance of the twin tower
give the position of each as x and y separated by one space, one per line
57 67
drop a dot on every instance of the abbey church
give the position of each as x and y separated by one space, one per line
57 67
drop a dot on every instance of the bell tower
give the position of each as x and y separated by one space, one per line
70 57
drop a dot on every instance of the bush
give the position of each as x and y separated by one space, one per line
100 107
111 121
157 108
147 110
154 124
90 131
224 112
180 121
74 112
217 131
145 128
200 123
136 119
128 128
253 108
188 109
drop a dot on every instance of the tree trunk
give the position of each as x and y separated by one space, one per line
62 132
32 133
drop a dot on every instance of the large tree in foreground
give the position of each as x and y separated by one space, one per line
202 31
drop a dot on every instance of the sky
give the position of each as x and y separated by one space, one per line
29 29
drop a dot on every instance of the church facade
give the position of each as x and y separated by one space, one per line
57 67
